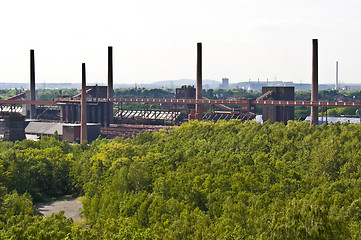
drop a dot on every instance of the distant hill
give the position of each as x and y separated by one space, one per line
159 84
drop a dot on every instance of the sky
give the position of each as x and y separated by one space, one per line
156 40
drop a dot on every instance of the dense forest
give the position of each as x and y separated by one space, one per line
202 180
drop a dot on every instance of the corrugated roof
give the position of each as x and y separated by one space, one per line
47 128
17 109
137 114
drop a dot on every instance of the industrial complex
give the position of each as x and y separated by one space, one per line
94 111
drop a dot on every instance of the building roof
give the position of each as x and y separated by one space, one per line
44 128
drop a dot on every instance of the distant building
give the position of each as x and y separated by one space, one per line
274 113
225 83
185 92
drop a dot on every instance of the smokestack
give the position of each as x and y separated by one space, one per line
336 75
32 83
110 73
83 106
199 77
110 82
314 90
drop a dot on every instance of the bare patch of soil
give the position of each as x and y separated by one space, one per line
71 207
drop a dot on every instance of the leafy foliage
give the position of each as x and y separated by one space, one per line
230 180
225 180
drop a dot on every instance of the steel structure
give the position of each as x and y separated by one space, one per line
191 101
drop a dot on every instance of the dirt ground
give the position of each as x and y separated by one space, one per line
71 207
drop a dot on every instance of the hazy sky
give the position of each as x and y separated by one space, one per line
156 40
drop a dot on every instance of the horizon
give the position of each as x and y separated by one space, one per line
173 84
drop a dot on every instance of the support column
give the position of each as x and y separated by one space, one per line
314 90
105 114
78 111
72 112
61 113
83 128
67 113
93 114
89 113
100 113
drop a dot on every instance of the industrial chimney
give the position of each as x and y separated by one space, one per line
83 107
336 87
110 84
110 73
199 80
32 84
314 90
